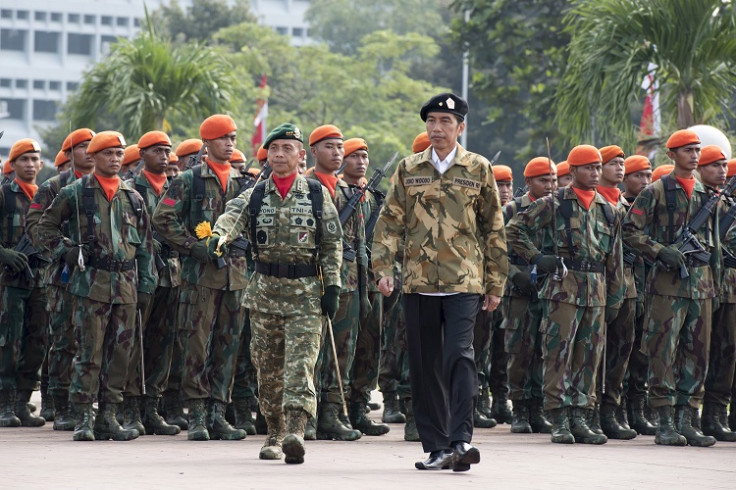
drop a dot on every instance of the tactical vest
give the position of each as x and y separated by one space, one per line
566 212
10 209
670 198
199 190
90 208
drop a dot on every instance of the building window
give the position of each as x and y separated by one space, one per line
137 22
4 83
282 30
20 83
46 42
13 40
105 43
21 15
79 44
122 21
71 86
6 14
39 84
73 18
44 110
16 108
40 16
298 32
55 16
106 20
56 86
89 19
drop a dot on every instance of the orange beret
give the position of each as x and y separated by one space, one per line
173 158
132 154
77 136
661 171
421 143
635 163
710 154
25 145
153 138
310 171
502 173
608 153
261 154
7 168
106 139
354 144
584 155
237 156
563 168
539 166
731 168
216 126
324 132
187 147
253 171
682 137
61 159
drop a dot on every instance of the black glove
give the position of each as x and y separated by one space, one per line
331 301
71 257
16 261
671 257
144 299
547 263
199 252
212 247
523 282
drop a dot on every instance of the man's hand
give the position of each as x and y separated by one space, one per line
199 252
671 257
386 285
491 302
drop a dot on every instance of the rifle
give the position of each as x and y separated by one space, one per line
687 242
195 159
158 260
520 191
35 257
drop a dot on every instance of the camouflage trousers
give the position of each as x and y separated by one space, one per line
23 337
345 327
722 363
572 344
105 336
245 372
212 321
620 335
367 351
490 353
62 343
285 351
159 334
393 371
524 347
677 340
173 384
635 381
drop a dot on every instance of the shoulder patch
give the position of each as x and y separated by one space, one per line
409 181
331 227
35 205
470 184
637 211
169 202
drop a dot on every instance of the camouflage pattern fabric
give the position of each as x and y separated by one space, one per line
62 342
245 384
394 368
23 337
620 335
523 343
345 327
722 362
497 377
367 351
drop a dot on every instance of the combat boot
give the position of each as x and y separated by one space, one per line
693 435
84 430
718 427
593 419
260 423
63 414
132 415
7 409
153 422
174 410
561 426
273 445
611 426
310 431
666 434
27 419
639 421
330 427
359 421
218 427
500 409
411 433
537 419
197 429
520 419
107 427
47 404
243 415
293 445
391 412
580 430
481 421
622 415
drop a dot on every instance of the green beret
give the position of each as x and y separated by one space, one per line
286 131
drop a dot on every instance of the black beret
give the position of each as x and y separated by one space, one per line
445 102
286 131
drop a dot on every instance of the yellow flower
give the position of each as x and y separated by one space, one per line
203 230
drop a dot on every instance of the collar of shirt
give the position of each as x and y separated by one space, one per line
443 165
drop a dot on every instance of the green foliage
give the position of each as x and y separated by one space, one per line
200 20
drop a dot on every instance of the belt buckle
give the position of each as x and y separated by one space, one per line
283 270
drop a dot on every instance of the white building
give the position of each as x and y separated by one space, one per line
45 45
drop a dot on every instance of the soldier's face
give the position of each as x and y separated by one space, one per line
156 158
78 154
635 182
219 150
302 167
586 177
64 166
541 186
172 171
27 166
356 164
505 191
284 156
108 161
564 180
685 158
328 155
443 129
613 171
714 174
240 166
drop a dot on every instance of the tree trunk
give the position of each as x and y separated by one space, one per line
685 117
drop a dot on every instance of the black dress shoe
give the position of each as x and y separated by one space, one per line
438 460
463 456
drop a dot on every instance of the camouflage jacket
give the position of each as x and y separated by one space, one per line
169 276
452 223
12 227
594 240
370 207
120 234
728 281
646 230
622 207
286 233
354 272
179 212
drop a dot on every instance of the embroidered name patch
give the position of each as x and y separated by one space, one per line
409 181
470 184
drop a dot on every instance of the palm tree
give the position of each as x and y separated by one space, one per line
146 83
688 46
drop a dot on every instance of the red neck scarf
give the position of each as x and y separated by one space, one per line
28 189
283 184
78 174
157 181
222 170
688 185
328 180
109 184
611 194
585 197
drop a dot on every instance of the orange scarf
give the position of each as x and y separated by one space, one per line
28 189
611 194
157 181
109 185
328 180
585 197
688 185
283 184
222 170
78 174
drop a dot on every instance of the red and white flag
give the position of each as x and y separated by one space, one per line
259 121
651 119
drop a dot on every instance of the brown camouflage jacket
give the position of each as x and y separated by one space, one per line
12 227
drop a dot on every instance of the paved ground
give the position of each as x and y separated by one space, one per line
42 458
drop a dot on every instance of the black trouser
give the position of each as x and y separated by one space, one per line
444 382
